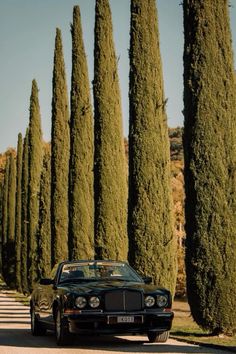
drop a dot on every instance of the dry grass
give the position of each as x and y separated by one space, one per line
185 328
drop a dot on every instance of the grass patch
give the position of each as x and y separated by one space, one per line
185 328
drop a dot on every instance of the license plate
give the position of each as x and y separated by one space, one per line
125 319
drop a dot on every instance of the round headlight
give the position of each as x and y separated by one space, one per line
94 302
80 302
149 301
162 300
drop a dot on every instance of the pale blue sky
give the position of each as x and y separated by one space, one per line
27 32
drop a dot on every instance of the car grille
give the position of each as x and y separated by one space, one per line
123 300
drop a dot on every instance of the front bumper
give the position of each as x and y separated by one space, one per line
101 322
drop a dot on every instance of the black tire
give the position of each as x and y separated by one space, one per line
157 337
61 330
36 327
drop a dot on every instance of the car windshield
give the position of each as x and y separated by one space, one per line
98 270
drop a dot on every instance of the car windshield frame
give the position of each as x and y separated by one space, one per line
85 271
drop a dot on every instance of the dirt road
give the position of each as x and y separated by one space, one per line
16 338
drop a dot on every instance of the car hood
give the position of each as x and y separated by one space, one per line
101 286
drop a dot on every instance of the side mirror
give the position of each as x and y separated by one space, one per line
147 280
46 281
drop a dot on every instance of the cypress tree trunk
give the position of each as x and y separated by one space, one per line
18 212
152 246
110 170
45 216
209 150
24 214
60 157
5 218
35 167
81 235
11 257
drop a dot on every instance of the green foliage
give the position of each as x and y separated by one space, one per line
210 164
44 232
152 245
11 205
24 214
11 198
110 172
18 212
60 156
176 144
81 226
1 200
35 166
5 218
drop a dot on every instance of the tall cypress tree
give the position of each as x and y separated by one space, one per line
60 156
1 202
35 166
44 236
210 164
110 171
81 235
10 274
18 212
24 214
151 240
5 218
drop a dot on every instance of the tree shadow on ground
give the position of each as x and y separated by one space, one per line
22 338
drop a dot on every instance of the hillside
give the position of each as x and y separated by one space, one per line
177 181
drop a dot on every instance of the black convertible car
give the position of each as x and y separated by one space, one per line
106 297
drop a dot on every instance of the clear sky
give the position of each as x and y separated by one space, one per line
27 33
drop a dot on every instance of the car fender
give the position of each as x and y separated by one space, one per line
56 305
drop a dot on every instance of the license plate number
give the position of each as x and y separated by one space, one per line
112 320
125 319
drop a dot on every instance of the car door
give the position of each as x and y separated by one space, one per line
47 294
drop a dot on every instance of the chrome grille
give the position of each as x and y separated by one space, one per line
123 300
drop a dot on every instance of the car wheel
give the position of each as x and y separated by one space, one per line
61 329
157 337
36 327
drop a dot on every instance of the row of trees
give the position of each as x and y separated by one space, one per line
88 191
71 197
